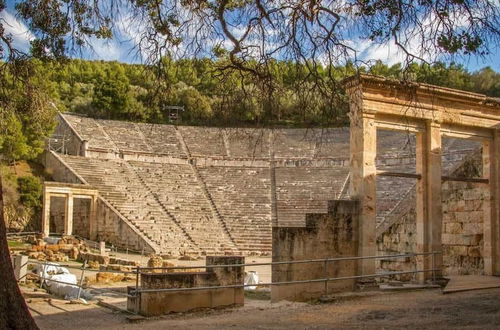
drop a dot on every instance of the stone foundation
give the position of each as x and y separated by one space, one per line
158 303
325 236
462 228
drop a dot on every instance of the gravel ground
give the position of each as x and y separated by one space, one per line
426 309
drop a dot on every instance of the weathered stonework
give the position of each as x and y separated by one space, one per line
158 303
329 235
462 229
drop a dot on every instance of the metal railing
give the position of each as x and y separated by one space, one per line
325 279
138 271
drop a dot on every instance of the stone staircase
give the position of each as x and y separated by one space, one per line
194 246
242 197
118 185
213 207
180 194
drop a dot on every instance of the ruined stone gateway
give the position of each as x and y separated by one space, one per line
212 191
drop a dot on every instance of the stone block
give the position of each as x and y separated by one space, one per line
460 239
474 251
456 250
473 228
453 228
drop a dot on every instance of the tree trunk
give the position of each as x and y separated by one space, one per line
14 313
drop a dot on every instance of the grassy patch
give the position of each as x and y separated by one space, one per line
257 295
15 244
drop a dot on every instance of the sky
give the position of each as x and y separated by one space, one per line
121 47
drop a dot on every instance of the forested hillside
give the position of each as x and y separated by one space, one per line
124 91
210 96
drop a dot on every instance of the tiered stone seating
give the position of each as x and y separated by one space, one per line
290 143
301 190
204 141
123 189
180 193
332 142
242 196
162 139
125 135
175 207
248 142
88 129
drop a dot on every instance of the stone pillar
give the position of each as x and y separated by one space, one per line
20 267
85 146
429 209
491 205
434 190
46 213
93 219
421 205
102 248
68 215
363 183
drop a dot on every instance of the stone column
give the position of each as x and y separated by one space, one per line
93 218
68 215
491 205
46 213
434 207
84 146
421 205
20 267
363 183
429 217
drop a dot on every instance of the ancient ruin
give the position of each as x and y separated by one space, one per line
176 190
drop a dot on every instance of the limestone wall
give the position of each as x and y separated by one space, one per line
112 228
81 216
325 236
58 169
158 303
462 227
57 215
73 143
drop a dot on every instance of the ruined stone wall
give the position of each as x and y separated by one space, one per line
462 227
399 238
58 170
73 143
113 229
158 303
325 236
56 219
81 217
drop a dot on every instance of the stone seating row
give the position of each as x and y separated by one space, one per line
242 196
180 193
131 199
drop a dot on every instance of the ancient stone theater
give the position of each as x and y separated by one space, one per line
176 190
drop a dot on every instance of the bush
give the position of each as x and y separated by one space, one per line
30 191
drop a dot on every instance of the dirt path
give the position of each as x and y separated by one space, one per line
428 309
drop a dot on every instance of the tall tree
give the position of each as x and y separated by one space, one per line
14 313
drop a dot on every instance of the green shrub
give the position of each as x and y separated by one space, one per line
30 191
